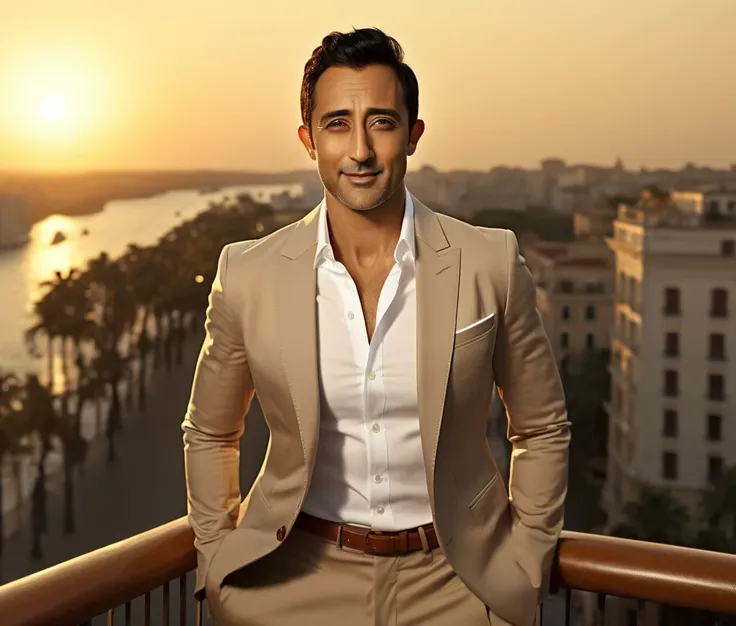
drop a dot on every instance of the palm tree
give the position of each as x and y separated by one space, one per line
116 313
719 509
74 452
44 418
656 516
112 367
46 312
13 427
586 390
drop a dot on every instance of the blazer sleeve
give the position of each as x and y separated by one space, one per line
215 419
538 427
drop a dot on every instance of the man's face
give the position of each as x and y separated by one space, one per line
361 135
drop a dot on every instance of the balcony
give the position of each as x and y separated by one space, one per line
120 581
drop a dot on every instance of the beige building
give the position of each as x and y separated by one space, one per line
672 414
575 282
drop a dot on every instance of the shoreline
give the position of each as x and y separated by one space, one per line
76 194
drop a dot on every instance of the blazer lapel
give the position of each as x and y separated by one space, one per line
437 278
296 318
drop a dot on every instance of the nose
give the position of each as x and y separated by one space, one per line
360 147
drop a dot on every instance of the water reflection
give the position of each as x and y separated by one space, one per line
47 258
141 221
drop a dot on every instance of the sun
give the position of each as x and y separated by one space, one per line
53 107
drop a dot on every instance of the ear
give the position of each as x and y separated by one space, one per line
306 139
416 134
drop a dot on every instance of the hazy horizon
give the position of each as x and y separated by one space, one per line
182 86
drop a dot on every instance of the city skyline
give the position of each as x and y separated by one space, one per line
170 86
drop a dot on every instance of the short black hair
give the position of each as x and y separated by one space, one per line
358 49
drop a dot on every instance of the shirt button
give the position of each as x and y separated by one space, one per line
379 510
378 478
371 376
351 315
376 428
281 533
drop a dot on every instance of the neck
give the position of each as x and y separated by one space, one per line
365 238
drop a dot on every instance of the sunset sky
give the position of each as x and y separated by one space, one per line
139 84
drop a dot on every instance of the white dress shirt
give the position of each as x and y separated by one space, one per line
369 469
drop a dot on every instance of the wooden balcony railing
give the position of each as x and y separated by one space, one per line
107 581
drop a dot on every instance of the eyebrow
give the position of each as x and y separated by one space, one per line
346 113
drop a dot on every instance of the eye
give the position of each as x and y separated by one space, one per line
384 121
334 124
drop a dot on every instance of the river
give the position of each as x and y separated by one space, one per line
121 222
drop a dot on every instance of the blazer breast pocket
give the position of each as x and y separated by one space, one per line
475 331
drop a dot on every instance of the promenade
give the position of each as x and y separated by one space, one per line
144 488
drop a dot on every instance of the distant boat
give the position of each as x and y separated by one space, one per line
178 214
58 238
85 232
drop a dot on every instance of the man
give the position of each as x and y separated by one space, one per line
373 332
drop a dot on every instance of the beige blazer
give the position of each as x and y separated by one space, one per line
477 325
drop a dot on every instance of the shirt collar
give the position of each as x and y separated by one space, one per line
405 250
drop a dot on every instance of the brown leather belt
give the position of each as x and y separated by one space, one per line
383 543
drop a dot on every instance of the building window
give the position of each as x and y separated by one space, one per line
716 347
715 469
719 303
590 312
669 427
669 466
564 341
728 247
714 427
672 344
566 286
672 301
565 313
716 387
590 341
671 380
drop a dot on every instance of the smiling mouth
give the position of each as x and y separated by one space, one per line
362 178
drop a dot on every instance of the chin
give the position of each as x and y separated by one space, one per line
361 200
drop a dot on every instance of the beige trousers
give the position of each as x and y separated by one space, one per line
309 581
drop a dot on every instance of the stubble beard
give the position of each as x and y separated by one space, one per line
361 200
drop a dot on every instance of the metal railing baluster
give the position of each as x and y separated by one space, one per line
147 610
166 604
128 614
568 606
600 618
183 600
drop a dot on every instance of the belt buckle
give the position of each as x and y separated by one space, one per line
399 542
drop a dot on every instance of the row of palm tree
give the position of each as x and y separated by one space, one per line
104 327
